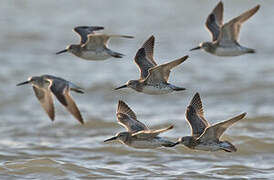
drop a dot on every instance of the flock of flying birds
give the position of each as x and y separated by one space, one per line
153 80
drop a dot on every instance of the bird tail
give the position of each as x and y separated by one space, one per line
76 88
175 88
251 51
116 54
170 144
229 147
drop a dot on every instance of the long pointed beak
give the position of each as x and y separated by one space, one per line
196 48
124 86
111 139
23 83
176 143
63 51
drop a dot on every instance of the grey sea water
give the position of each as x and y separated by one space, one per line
32 147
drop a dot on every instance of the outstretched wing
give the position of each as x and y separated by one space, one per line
231 30
45 99
61 90
84 31
147 134
149 50
95 41
214 20
127 118
143 63
160 74
216 131
195 116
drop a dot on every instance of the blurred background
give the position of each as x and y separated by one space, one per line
31 146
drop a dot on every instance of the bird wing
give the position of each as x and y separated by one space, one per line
61 90
231 30
100 40
216 131
160 74
108 36
45 99
214 20
127 118
84 31
195 116
147 134
149 50
143 63
95 41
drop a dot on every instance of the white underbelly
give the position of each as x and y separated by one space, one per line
231 51
96 56
149 144
156 90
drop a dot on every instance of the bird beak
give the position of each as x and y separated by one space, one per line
23 83
196 48
111 139
176 143
63 51
124 86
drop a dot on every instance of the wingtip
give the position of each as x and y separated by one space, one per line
95 28
99 27
241 116
196 97
170 127
180 60
219 5
52 118
258 6
121 104
149 44
81 121
185 57
152 37
196 105
244 114
196 94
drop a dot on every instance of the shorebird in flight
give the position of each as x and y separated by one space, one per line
225 36
204 136
93 46
46 85
153 77
138 135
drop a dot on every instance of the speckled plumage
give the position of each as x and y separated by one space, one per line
205 137
153 77
138 135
